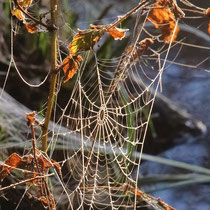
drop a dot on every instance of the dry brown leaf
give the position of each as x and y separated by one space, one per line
163 19
10 163
31 28
117 33
23 5
70 65
44 163
27 163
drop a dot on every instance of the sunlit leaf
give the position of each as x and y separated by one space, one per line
17 12
163 18
70 65
31 28
85 40
19 15
24 3
116 33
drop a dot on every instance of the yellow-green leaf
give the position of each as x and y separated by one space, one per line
85 40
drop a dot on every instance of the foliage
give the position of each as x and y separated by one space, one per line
164 15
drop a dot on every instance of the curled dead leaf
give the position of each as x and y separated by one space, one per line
70 65
117 33
164 19
10 163
27 163
18 11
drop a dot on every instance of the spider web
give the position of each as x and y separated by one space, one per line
106 120
109 111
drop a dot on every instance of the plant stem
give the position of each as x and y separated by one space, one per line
53 79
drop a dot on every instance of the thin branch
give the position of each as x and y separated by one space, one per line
195 11
189 4
134 10
25 181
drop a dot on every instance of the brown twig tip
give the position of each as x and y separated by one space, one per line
31 119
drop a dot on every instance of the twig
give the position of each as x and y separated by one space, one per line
34 147
24 181
189 4
134 10
195 11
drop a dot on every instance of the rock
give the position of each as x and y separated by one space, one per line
192 196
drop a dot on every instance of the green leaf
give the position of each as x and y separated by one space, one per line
85 40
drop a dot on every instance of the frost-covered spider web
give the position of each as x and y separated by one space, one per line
109 111
107 116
